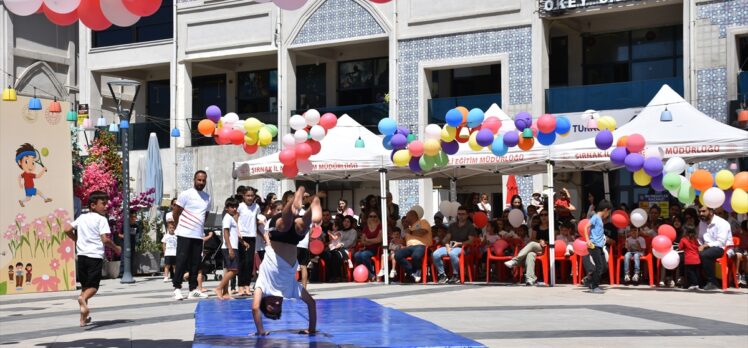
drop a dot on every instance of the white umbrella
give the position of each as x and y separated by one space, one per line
154 176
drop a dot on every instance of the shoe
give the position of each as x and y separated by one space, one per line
416 279
166 280
381 273
586 281
661 284
178 294
741 279
627 279
671 284
454 280
679 282
541 284
510 264
350 263
529 283
693 287
635 278
195 294
597 291
567 254
442 279
393 273
710 287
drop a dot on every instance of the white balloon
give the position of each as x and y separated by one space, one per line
419 210
63 6
231 117
658 254
297 122
433 131
23 7
654 152
714 197
638 217
311 117
670 260
305 166
289 140
516 217
300 136
675 165
444 207
317 132
454 208
289 5
116 12
240 126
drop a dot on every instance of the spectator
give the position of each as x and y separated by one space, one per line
371 238
690 217
440 233
263 232
484 205
677 223
624 207
344 209
653 218
270 199
342 240
532 211
741 253
417 238
690 246
635 246
527 256
393 210
675 209
563 205
327 223
169 242
303 256
248 211
438 221
395 243
536 201
564 234
714 233
458 233
591 205
516 203
472 205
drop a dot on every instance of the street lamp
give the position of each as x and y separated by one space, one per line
124 117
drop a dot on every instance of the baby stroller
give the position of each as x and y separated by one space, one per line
212 262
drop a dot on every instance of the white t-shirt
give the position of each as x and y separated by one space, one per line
259 240
171 244
195 205
276 277
90 227
304 243
248 219
230 224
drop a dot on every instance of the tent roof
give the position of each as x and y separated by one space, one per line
691 135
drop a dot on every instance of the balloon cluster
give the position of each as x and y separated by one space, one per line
419 156
304 142
229 129
291 5
96 14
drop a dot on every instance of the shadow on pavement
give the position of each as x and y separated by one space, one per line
118 343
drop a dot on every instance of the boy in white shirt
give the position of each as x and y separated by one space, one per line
230 248
170 248
90 237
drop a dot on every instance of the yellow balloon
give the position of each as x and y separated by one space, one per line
641 178
739 201
606 122
724 179
265 138
473 143
449 134
701 199
401 158
250 140
252 125
431 147
565 134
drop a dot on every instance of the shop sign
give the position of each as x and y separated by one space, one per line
557 6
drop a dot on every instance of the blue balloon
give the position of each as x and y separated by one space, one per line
546 138
511 138
387 126
453 118
563 125
386 142
498 147
475 118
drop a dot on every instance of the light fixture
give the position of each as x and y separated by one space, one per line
72 116
9 94
175 133
743 115
124 124
101 122
55 106
34 102
360 143
666 115
113 128
527 133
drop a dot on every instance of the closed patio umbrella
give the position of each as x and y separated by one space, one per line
154 176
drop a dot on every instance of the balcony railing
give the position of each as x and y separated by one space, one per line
743 86
607 96
438 107
368 115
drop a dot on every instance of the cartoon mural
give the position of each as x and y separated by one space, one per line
36 182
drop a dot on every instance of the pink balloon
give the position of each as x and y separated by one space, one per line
23 7
91 15
115 12
662 244
635 143
547 123
303 151
560 248
305 166
581 226
290 171
289 5
142 8
492 123
580 247
287 157
667 231
61 19
62 6
415 148
360 274
499 246
328 121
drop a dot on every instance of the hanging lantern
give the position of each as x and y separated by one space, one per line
101 122
34 102
360 143
9 94
55 106
113 128
742 115
666 115
175 133
124 124
72 116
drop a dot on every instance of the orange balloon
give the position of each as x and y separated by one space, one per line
622 141
464 111
526 143
701 180
206 127
741 181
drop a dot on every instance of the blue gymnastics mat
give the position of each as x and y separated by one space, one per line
347 322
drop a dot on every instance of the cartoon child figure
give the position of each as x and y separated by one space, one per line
19 276
26 156
10 272
29 268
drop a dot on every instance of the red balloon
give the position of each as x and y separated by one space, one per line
290 171
303 151
250 149
360 274
328 121
580 247
288 157
315 232
142 8
237 137
499 246
560 247
459 139
620 219
635 143
316 246
316 146
492 123
61 19
581 226
380 1
662 244
91 15
480 219
667 231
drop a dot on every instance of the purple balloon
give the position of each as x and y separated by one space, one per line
392 156
398 141
522 120
511 138
213 113
403 130
634 162
618 155
727 205
657 182
604 139
414 164
484 137
451 147
653 166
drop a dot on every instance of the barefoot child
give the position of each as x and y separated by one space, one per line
90 237
276 276
230 248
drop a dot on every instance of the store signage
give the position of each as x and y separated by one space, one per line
561 5
82 113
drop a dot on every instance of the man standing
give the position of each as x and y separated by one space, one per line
248 211
190 214
457 234
714 236
417 239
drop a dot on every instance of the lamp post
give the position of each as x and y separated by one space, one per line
124 117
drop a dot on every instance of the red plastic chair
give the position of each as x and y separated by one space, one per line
727 265
566 262
424 266
490 257
648 258
543 261
466 259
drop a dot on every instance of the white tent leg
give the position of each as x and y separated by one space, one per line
383 205
551 228
606 185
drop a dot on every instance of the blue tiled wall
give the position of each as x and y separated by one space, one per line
338 20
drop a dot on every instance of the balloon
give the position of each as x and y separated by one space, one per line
522 120
475 118
115 12
604 139
206 127
563 125
546 138
606 123
560 248
498 148
463 135
701 180
252 125
444 207
464 112
303 151
431 147
580 248
62 6
547 123
638 217
492 123
297 122
387 142
670 260
641 178
213 113
526 143
317 132
675 165
658 254
618 155
686 193
305 166
516 217
739 201
619 218
656 183
315 145
249 140
404 131
662 243
480 219
401 158
453 118
287 157
399 141
450 148
415 148
142 8
288 140
311 117
499 246
727 204
264 138
671 181
328 121
740 181
473 142
91 15
667 231
448 133
433 131
654 152
23 7
581 227
61 19
455 207
484 137
622 141
441 159
724 179
316 246
653 166
426 163
225 135
415 164
713 197
250 149
635 143
290 5
511 138
230 118
236 136
290 170
634 162
300 136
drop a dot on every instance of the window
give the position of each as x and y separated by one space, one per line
155 27
257 95
559 61
206 91
363 81
158 108
310 86
471 87
743 53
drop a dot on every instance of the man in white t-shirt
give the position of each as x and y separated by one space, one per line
189 214
248 212
714 235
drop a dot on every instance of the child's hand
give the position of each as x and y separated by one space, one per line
309 332
231 254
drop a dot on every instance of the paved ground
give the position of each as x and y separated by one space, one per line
143 315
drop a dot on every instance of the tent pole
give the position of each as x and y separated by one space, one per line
551 227
385 226
606 184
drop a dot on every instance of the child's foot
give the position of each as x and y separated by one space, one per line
47 200
84 312
21 203
219 293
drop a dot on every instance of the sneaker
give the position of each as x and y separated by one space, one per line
416 278
510 264
454 280
635 278
178 294
166 279
393 273
627 279
380 274
442 279
671 283
710 287
196 294
741 279
529 283
661 284
586 281
693 287
597 291
408 279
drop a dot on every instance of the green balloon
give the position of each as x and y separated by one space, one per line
272 129
441 159
411 137
45 151
686 194
671 181
426 163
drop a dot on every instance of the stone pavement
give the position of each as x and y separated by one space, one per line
144 315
